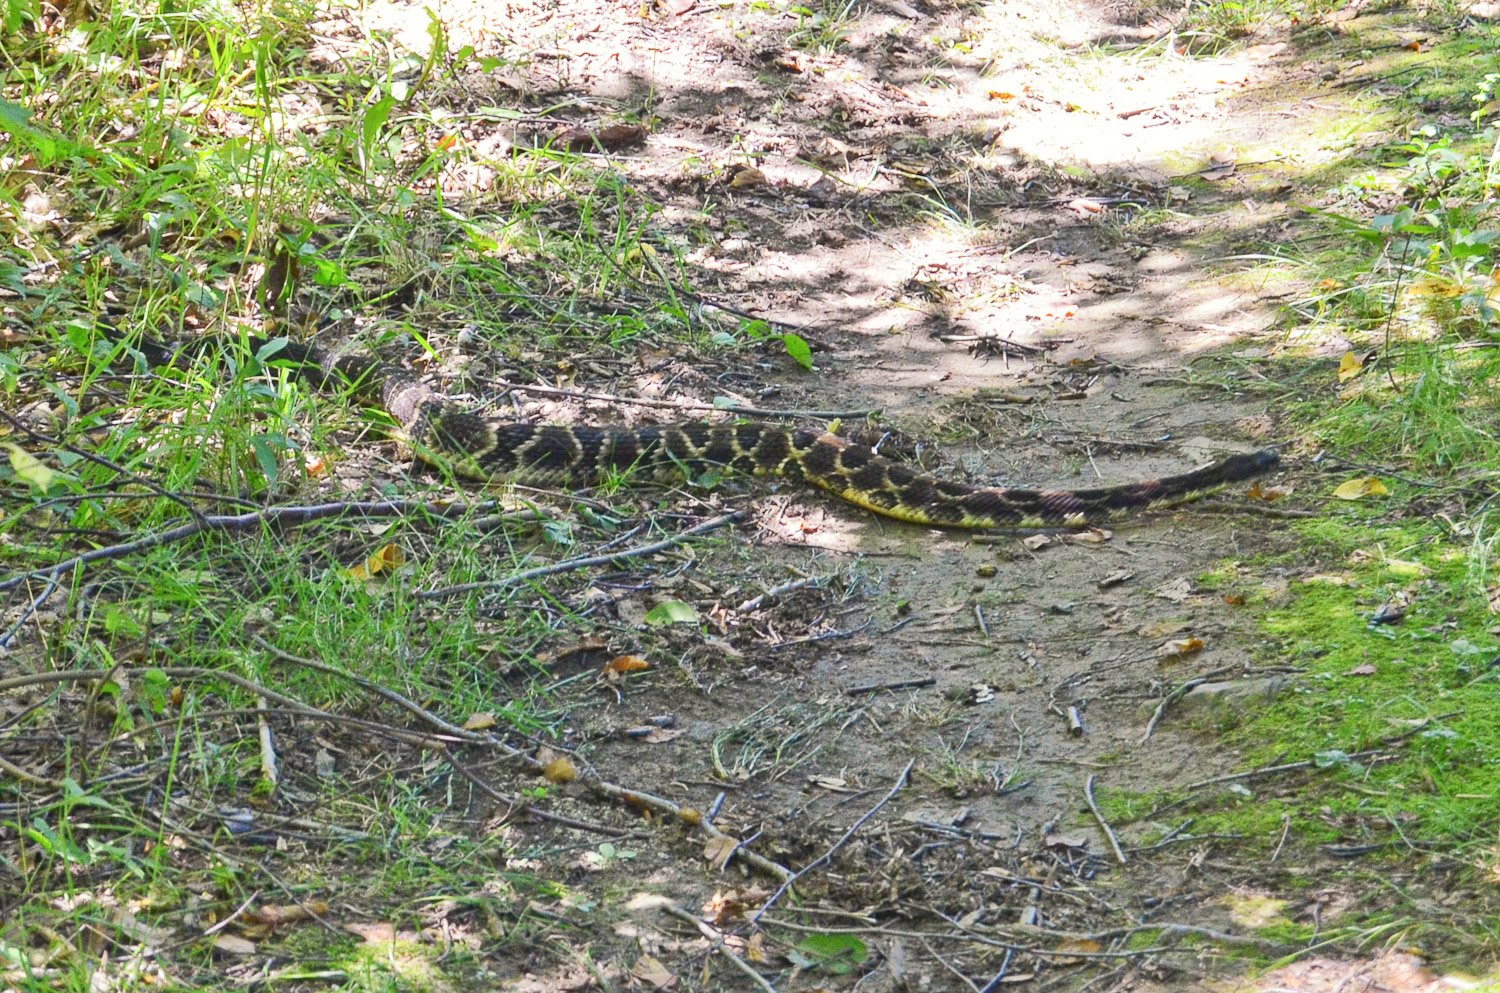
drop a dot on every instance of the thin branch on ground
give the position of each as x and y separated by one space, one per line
268 517
584 561
1114 843
844 840
716 936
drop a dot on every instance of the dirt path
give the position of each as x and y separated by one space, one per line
1003 243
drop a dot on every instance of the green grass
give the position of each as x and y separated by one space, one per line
1402 272
197 170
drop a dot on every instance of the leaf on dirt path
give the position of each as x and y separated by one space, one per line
746 177
718 849
1219 170
1435 287
1115 579
1000 95
1178 648
835 953
1269 493
1358 489
1350 366
1092 536
648 969
798 348
672 612
480 722
233 944
1054 839
556 768
385 561
1037 542
621 665
837 784
731 905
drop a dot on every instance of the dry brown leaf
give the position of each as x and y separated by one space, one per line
660 736
1269 494
1037 542
718 849
1365 669
480 722
648 969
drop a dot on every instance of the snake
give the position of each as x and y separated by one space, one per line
444 433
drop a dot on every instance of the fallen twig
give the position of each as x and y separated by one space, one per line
716 936
844 840
584 561
896 684
267 517
1114 843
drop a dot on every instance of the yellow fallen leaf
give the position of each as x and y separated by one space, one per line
31 469
480 722
388 559
1350 366
1435 287
1358 489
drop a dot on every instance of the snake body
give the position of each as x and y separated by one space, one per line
442 432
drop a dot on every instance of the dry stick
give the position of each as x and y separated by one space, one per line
267 744
1177 694
585 561
849 834
1114 843
602 787
898 684
32 608
755 602
269 516
717 937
